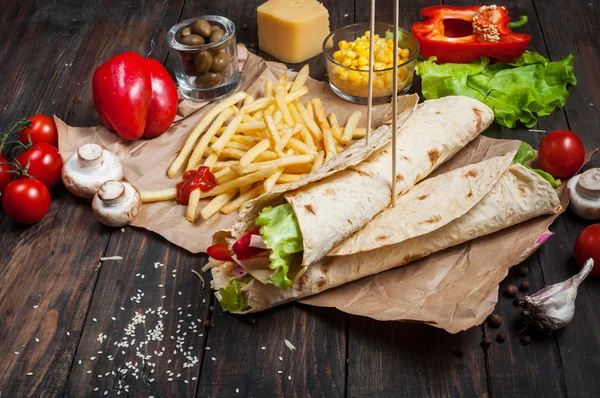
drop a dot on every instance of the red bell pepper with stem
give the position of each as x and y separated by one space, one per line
134 96
463 34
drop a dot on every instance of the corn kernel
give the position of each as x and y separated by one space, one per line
337 55
341 44
363 61
353 75
347 62
354 63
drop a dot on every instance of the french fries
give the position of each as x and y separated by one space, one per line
256 143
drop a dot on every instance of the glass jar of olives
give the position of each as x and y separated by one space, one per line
205 52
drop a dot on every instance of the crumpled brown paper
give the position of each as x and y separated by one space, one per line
454 289
145 162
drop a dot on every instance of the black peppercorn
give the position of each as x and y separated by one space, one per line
501 337
495 320
245 26
523 270
207 324
524 286
525 340
510 291
459 351
486 342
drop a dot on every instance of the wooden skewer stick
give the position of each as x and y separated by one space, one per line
395 102
371 63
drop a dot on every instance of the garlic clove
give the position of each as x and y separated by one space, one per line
553 307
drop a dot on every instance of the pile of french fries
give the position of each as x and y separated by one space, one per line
253 145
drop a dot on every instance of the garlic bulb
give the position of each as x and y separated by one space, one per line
553 307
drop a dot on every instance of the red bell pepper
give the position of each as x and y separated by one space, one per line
242 248
220 252
134 96
463 34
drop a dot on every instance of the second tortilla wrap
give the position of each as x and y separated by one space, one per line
517 195
331 209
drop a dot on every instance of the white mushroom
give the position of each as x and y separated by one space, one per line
117 203
85 171
585 194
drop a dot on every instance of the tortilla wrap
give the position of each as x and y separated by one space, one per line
330 210
517 196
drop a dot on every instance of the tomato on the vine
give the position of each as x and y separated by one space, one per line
587 246
26 201
41 129
45 164
561 153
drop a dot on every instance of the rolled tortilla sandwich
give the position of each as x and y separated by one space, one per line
441 212
278 235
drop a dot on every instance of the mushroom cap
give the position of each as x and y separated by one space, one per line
584 194
85 171
117 203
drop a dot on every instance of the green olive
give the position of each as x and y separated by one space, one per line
185 31
192 40
203 61
216 35
209 79
202 28
220 62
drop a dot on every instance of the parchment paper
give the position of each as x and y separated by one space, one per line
145 162
454 289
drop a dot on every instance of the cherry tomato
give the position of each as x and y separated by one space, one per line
45 163
41 129
219 252
587 246
26 201
561 153
5 173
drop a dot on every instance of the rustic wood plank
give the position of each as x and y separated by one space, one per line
578 343
52 265
154 278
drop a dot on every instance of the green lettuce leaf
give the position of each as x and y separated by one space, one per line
281 233
521 91
232 297
524 155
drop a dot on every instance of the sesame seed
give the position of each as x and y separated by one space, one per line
280 371
88 372
79 362
68 334
281 359
214 359
113 318
36 306
16 352
289 377
237 390
30 374
96 389
263 348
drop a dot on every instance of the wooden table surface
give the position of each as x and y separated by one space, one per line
64 314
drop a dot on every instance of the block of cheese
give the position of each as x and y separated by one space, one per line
292 30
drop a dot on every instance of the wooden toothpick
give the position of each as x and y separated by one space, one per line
371 63
395 102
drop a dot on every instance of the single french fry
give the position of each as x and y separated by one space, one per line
295 95
248 119
190 141
245 189
280 98
289 133
248 100
329 142
281 162
231 153
300 80
287 178
336 130
217 203
320 114
243 198
235 110
308 139
269 92
190 215
158 196
222 172
254 152
277 116
359 132
300 146
245 127
266 155
198 152
231 175
310 110
240 181
309 122
333 121
258 104
319 159
271 108
270 182
298 168
350 126
258 115
288 86
210 161
274 134
282 82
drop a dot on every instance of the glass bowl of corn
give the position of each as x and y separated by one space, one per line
347 55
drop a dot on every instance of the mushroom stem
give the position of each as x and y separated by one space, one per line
90 156
112 193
